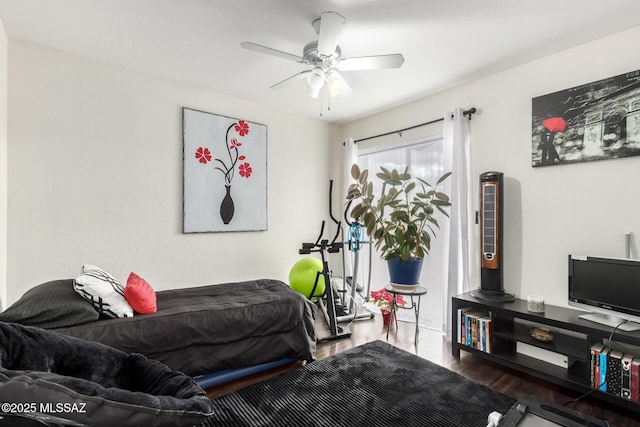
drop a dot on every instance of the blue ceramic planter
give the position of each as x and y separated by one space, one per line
407 273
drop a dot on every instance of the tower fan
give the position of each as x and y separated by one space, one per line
491 238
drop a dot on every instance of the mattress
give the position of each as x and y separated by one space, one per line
205 329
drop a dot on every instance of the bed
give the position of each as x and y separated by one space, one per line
197 330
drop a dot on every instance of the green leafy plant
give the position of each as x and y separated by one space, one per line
407 226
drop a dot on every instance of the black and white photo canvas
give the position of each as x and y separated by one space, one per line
225 173
594 121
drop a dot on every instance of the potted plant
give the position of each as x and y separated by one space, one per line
402 221
383 300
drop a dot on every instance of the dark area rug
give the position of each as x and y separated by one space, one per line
375 384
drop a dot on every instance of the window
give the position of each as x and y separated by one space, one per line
424 158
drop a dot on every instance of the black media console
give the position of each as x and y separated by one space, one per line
508 327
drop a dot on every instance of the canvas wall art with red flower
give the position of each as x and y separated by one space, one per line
225 176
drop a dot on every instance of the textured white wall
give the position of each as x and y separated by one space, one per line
95 173
3 165
550 211
95 176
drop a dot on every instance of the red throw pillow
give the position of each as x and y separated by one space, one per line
140 295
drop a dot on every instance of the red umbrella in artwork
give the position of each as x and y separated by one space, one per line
555 124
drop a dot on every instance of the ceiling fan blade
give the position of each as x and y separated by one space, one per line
371 62
286 82
273 52
331 26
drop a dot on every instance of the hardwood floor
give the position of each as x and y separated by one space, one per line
435 347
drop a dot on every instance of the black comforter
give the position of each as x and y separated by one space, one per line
205 329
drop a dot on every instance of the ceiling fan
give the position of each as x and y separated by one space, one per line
325 58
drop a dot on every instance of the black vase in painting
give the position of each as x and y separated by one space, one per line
227 208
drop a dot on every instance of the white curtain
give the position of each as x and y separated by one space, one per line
456 160
350 157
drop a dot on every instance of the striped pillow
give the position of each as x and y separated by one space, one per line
103 291
50 305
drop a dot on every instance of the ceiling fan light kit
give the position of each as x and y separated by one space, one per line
315 80
337 85
324 56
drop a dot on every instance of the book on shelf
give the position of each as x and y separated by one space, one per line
485 334
472 335
474 329
615 372
603 370
635 380
596 349
462 325
626 376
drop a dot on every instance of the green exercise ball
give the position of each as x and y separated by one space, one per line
303 276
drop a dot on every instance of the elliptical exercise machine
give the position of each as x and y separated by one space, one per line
350 285
338 303
345 287
326 302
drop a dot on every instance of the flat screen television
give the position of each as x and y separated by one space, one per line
607 287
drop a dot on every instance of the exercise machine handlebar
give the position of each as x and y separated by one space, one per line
331 203
346 214
322 244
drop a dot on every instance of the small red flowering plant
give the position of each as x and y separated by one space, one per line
383 299
228 166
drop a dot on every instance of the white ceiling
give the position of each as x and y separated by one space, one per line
444 42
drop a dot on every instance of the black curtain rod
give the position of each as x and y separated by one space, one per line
468 112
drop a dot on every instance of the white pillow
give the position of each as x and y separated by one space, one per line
103 291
